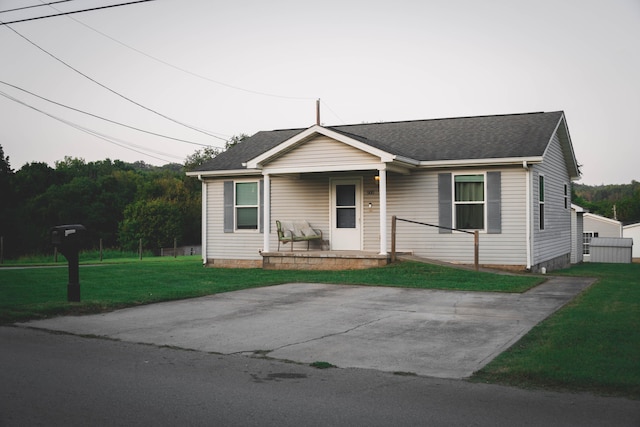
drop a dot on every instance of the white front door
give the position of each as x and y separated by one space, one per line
346 227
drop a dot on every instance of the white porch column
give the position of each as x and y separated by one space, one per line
205 221
383 210
266 228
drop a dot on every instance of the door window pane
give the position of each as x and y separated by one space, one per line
346 217
345 195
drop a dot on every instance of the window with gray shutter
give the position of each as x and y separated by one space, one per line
261 227
228 200
242 204
444 202
494 202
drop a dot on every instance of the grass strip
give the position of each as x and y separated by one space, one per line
32 293
592 344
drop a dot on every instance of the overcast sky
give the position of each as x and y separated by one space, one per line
241 66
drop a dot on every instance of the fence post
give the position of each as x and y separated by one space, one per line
55 254
476 249
393 238
1 249
175 247
100 250
140 248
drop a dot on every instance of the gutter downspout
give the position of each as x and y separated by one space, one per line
528 235
204 220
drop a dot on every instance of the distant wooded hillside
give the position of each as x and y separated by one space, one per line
618 201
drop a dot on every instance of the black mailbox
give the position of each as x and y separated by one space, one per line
69 240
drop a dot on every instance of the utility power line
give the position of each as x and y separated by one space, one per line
100 117
97 134
35 5
112 90
181 69
74 11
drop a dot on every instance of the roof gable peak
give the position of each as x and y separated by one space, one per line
309 134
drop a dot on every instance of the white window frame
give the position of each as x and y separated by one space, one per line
587 236
455 203
236 206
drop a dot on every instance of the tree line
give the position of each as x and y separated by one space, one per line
118 203
616 201
121 203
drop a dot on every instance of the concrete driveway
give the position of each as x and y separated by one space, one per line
435 333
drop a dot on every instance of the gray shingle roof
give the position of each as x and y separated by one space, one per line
482 137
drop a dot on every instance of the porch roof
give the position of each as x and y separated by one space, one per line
437 141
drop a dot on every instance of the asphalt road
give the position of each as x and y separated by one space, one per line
57 379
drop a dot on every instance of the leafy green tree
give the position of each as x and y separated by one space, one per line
603 200
7 200
116 201
5 176
203 155
33 179
157 222
200 157
235 140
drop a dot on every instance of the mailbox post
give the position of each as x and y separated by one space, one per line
69 239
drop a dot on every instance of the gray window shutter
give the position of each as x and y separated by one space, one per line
444 202
261 220
228 206
494 203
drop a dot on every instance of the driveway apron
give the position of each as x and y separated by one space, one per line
448 334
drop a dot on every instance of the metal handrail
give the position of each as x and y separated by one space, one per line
476 237
436 226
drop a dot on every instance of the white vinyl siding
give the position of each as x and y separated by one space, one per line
555 239
304 198
221 245
577 227
371 215
415 197
322 151
606 227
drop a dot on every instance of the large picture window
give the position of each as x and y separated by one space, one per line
469 202
246 205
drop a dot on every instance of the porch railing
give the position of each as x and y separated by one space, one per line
476 237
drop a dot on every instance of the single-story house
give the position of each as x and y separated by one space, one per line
598 226
633 231
507 176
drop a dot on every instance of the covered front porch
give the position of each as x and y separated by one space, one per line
335 183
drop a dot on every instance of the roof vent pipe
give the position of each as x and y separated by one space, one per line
318 111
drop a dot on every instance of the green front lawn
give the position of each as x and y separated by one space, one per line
593 344
40 292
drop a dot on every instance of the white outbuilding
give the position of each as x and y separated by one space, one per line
633 231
